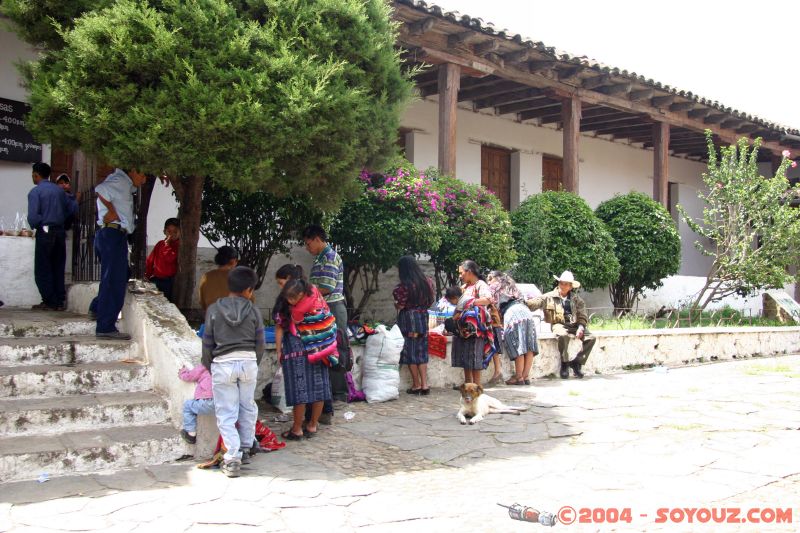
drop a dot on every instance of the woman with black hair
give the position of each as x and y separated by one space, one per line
469 353
412 298
307 385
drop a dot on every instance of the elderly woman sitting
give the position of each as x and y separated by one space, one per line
519 328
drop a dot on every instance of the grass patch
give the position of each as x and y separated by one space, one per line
683 427
760 369
684 318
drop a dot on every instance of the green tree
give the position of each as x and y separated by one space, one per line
258 225
476 227
397 213
556 231
751 224
291 97
646 243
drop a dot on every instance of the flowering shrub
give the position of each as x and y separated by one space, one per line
750 226
477 228
398 212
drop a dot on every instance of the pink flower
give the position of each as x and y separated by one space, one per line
786 153
794 164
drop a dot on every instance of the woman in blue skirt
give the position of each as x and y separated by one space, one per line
306 384
412 298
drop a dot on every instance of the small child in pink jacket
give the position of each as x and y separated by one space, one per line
202 404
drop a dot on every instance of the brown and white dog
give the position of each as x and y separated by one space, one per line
475 405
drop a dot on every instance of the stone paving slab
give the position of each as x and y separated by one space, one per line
713 436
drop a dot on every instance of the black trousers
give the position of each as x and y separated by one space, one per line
49 262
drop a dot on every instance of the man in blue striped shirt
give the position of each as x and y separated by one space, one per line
48 209
327 274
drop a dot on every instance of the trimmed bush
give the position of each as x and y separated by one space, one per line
556 231
647 245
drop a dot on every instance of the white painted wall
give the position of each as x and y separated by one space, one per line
15 178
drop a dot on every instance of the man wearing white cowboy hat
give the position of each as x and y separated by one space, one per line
565 311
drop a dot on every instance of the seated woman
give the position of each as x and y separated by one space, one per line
519 328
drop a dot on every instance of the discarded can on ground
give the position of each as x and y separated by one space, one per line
529 514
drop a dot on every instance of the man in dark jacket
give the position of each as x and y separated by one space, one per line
48 210
565 311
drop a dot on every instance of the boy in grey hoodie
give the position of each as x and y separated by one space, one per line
233 343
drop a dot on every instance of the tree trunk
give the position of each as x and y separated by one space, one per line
190 194
139 248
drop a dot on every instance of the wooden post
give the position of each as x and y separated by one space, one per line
449 82
571 119
661 163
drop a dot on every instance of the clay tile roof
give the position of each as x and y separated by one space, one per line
488 28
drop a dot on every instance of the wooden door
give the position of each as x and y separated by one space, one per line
496 173
552 169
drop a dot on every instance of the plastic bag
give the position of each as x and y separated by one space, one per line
278 398
380 377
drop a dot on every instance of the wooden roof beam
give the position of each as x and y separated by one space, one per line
602 124
487 91
747 128
536 113
486 47
699 113
569 74
731 123
659 101
517 56
497 59
507 98
476 66
538 66
461 38
597 81
714 119
626 130
616 89
421 26
682 106
642 94
525 105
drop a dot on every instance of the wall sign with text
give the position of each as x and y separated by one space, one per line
16 143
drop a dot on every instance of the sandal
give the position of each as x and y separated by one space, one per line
309 434
288 435
424 392
413 391
527 382
496 379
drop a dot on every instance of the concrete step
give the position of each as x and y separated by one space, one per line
49 380
64 350
15 322
95 451
49 416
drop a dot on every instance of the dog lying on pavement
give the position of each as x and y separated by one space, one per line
475 405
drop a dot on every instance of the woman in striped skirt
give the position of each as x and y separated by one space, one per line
412 298
305 384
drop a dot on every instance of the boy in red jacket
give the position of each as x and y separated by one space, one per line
162 263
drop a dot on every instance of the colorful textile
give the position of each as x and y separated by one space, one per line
327 272
413 323
316 327
475 322
519 333
303 382
401 295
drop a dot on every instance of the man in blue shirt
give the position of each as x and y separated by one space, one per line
48 209
115 219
